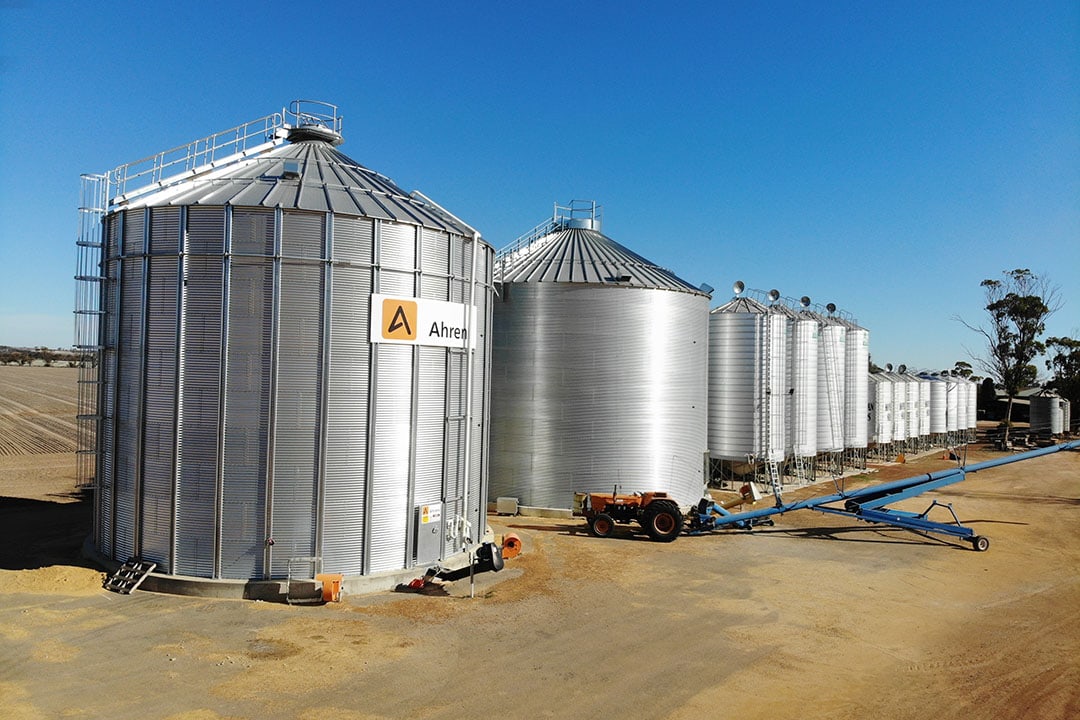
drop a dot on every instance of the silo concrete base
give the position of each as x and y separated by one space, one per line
298 591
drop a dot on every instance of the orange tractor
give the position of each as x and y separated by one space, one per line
657 513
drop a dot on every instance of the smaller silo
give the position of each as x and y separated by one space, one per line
900 408
747 388
938 408
831 370
856 388
1047 414
881 412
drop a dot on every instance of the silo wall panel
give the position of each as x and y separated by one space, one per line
803 373
594 386
199 428
391 449
298 412
346 474
159 433
248 378
108 329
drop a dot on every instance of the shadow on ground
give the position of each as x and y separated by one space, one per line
39 533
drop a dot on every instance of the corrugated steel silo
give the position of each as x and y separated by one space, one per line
1047 414
294 363
901 412
748 353
831 371
923 407
881 409
598 369
938 406
800 410
856 389
952 404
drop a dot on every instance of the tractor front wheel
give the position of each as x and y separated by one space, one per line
662 520
602 525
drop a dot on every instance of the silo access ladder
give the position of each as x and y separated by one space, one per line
129 576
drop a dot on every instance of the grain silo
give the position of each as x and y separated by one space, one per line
294 361
748 381
938 408
856 391
800 408
1047 414
598 369
880 415
832 357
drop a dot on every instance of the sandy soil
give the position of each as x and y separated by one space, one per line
817 617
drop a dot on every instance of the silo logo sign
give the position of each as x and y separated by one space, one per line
417 321
402 323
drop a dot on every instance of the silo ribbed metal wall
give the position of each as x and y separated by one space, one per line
594 386
1047 414
132 314
747 390
881 415
803 371
248 418
923 407
159 434
346 477
856 362
831 367
952 405
900 408
938 406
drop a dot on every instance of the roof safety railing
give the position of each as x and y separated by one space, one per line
314 112
169 166
561 216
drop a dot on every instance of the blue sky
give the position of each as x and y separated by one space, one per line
883 157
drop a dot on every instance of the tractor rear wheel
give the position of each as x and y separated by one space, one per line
662 520
602 525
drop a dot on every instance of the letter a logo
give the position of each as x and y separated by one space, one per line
402 319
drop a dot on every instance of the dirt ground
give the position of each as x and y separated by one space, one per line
817 617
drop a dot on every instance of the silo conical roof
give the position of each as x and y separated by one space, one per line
584 255
307 174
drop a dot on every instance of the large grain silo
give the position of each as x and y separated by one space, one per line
598 369
748 381
294 361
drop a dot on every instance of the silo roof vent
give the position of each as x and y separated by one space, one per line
313 120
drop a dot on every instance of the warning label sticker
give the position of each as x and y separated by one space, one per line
430 514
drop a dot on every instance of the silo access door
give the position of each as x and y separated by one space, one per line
427 546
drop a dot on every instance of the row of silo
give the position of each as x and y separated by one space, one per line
294 364
780 376
911 412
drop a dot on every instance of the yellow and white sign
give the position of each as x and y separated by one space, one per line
430 514
417 321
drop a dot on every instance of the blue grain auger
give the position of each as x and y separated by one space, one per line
870 503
